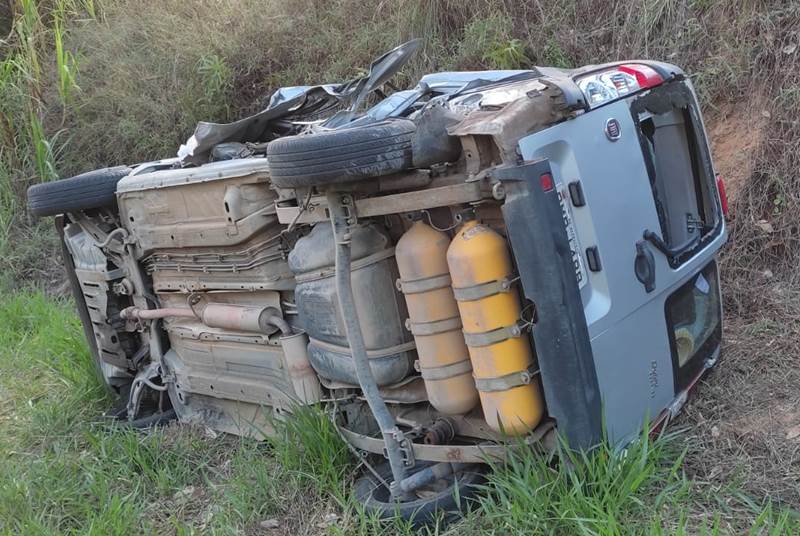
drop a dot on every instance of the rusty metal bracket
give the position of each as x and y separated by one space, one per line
543 435
443 196
144 379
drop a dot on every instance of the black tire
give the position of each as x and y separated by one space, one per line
427 507
338 156
88 190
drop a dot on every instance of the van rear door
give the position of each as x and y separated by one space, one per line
642 198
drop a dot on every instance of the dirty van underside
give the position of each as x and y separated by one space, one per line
403 263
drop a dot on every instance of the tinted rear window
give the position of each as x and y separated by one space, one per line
694 318
677 159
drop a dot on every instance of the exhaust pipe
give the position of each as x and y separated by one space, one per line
252 319
218 315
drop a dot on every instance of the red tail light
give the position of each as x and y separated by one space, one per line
723 197
547 182
646 76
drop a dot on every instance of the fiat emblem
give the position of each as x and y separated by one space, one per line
613 130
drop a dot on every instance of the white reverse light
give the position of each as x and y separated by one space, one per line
605 86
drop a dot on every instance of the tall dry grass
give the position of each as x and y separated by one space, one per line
85 84
34 32
131 83
146 80
150 69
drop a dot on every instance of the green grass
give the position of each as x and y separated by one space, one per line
606 491
639 490
64 470
308 444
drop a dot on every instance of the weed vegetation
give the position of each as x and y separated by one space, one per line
95 83
66 470
63 469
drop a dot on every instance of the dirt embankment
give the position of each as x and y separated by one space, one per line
736 133
744 422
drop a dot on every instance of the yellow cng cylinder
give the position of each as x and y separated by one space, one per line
434 320
481 271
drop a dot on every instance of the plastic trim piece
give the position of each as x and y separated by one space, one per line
576 193
541 249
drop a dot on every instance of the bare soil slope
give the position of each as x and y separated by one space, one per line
745 420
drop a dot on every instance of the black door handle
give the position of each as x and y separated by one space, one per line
644 266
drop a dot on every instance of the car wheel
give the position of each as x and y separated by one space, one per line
337 156
88 190
447 497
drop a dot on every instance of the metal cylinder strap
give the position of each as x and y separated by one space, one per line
432 328
424 285
446 371
330 271
484 290
492 337
371 354
509 381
